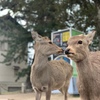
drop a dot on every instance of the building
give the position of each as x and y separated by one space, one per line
8 74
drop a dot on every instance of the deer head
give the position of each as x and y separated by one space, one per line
77 48
44 45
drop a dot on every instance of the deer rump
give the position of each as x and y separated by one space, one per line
55 74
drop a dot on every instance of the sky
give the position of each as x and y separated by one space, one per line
6 11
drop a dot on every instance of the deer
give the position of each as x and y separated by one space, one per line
87 65
47 75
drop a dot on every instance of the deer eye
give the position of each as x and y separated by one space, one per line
79 42
50 42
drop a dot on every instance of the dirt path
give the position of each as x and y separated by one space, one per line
31 96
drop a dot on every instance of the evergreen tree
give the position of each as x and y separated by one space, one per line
43 16
15 35
84 14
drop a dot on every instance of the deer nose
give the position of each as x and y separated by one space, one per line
67 51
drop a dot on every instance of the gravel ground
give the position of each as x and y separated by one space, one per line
31 96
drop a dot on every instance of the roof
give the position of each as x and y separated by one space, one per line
10 25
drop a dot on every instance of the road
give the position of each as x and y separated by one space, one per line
31 96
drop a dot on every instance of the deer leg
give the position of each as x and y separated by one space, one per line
85 97
48 94
38 95
61 90
64 92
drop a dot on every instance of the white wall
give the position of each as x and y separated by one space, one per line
7 72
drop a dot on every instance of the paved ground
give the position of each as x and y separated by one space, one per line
31 96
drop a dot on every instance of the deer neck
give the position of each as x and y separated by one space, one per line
40 60
86 75
84 69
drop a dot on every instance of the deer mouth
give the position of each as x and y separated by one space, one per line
70 54
60 51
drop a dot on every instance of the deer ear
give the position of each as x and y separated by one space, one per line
36 36
90 36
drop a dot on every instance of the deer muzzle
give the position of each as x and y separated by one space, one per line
68 51
60 51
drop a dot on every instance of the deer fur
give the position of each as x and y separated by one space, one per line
88 65
49 75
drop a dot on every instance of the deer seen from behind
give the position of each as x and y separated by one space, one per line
88 65
48 75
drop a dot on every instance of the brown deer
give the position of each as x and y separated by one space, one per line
88 65
48 75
